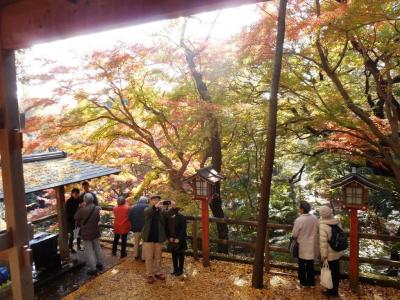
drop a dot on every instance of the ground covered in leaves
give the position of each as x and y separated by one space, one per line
220 281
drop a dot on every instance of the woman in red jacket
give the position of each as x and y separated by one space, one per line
122 226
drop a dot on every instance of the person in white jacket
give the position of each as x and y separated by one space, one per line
327 253
305 230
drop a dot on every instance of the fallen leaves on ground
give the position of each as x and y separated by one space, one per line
222 280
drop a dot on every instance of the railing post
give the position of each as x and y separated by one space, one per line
194 235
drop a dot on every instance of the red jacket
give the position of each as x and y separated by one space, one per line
121 222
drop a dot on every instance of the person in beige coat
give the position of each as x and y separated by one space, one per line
305 230
327 253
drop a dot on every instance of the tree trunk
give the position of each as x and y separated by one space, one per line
215 144
258 266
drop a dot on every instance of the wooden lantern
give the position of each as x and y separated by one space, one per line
203 184
354 196
354 190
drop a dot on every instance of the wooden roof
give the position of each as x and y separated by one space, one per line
354 177
208 174
49 170
26 22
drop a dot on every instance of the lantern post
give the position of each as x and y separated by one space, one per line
203 185
354 197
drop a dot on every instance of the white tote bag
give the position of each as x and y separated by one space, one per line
76 232
326 276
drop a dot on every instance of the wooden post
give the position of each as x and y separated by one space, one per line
13 179
271 116
204 233
62 223
353 259
195 246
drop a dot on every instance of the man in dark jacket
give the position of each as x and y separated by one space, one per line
71 207
176 234
88 216
154 236
136 217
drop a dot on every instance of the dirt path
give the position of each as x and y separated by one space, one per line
221 281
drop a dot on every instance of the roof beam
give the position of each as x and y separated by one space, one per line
27 22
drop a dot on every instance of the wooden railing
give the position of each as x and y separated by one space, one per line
271 227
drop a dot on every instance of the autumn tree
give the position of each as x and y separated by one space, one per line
118 103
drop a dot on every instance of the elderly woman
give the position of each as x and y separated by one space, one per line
327 253
305 230
122 225
88 216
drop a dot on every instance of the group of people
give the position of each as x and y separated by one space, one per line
153 224
313 237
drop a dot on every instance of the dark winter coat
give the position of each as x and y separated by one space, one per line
89 231
71 207
176 229
162 215
136 215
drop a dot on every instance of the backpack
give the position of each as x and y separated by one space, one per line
338 241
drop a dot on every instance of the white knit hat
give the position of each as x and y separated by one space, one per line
325 212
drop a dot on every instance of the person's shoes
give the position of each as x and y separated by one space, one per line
329 294
174 272
99 267
123 255
150 279
178 273
92 273
114 253
143 260
137 258
160 276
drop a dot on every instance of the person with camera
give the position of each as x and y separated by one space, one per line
176 234
154 235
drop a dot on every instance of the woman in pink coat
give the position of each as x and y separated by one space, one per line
305 230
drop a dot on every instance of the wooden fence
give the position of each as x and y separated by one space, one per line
271 227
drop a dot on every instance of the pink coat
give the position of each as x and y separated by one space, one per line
305 229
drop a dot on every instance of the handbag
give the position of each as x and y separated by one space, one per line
293 247
326 276
171 246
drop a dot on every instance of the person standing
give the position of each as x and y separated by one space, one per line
327 253
122 226
154 236
305 230
71 207
136 217
88 216
176 234
86 190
